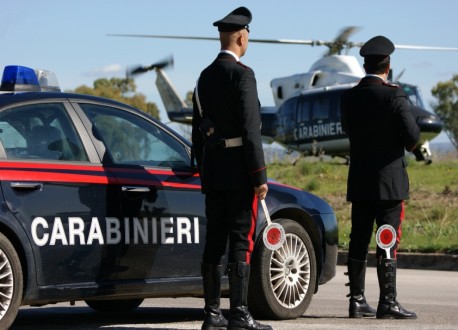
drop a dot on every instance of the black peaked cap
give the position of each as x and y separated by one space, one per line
377 46
236 20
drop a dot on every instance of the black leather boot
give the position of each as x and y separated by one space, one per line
211 275
240 318
357 275
388 307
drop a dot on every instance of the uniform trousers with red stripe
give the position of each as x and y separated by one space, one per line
363 215
231 216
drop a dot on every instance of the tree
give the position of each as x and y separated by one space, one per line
447 107
188 99
118 89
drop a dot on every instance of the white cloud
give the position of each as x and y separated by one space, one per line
423 65
109 70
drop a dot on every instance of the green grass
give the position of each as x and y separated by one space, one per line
431 219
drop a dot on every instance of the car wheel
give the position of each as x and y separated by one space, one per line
114 306
11 283
282 282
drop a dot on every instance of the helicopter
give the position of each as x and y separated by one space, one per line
306 115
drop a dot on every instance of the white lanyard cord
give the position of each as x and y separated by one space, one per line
198 100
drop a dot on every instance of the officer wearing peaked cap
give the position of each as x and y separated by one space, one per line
226 136
380 127
236 20
377 46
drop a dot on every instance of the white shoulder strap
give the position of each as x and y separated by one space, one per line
197 99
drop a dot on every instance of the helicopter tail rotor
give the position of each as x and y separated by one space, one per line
138 69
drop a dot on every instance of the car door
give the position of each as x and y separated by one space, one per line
58 195
162 206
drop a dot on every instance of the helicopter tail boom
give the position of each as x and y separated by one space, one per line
168 93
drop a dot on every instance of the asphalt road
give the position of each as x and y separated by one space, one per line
431 294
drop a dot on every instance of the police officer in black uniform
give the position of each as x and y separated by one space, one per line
226 136
376 117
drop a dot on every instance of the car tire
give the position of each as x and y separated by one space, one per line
282 282
11 283
114 306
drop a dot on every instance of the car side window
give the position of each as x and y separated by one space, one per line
40 131
131 139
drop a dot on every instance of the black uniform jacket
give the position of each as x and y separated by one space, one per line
377 119
229 98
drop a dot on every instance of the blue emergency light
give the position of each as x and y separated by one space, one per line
17 78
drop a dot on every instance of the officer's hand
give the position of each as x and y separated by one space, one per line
261 191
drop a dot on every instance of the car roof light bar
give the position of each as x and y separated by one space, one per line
18 78
47 80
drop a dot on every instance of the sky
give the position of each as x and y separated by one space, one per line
70 38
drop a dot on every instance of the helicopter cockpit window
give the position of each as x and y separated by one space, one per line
303 112
320 108
413 95
288 112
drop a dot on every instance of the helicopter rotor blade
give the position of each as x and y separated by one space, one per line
335 46
341 42
426 48
161 36
398 77
138 69
267 41
345 33
168 61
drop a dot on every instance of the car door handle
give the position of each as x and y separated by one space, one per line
26 185
135 189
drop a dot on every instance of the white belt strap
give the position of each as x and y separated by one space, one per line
197 99
230 143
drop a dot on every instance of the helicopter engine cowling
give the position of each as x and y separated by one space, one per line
430 126
429 123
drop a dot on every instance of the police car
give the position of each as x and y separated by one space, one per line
101 203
